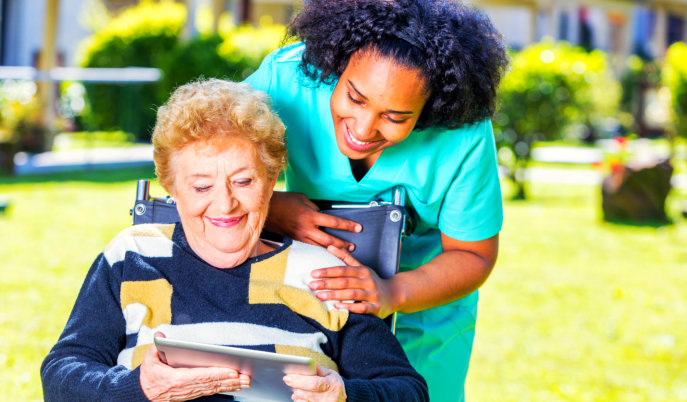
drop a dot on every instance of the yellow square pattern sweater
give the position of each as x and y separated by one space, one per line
148 279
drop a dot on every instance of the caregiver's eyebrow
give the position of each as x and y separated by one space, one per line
365 98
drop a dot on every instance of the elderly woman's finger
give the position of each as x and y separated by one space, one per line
211 380
183 384
327 385
311 383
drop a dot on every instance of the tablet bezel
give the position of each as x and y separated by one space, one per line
266 369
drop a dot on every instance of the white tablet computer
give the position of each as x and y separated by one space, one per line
266 369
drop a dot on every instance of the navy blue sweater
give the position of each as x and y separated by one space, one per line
148 279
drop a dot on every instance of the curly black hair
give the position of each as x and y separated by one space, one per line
461 55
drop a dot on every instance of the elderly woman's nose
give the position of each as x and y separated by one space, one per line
226 199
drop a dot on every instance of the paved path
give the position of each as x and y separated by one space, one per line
107 158
142 155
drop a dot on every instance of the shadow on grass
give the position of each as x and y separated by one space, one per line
643 224
93 175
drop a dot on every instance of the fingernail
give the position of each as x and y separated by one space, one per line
358 228
287 379
245 383
321 296
351 247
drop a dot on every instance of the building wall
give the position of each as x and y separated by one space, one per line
614 24
24 33
617 26
514 22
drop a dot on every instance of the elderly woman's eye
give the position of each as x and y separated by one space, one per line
243 182
201 189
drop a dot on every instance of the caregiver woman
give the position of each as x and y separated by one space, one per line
384 93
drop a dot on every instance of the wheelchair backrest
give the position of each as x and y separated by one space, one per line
377 246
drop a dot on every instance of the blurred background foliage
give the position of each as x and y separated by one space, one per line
637 75
139 37
552 90
574 310
675 79
151 35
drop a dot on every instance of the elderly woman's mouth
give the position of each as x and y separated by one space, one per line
226 222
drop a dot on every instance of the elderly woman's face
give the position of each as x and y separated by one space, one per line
222 191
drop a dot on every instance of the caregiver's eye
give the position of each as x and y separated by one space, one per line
354 100
395 121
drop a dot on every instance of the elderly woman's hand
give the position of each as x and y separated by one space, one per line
295 216
326 386
161 382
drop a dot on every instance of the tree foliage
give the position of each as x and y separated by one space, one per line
149 35
138 37
550 88
674 75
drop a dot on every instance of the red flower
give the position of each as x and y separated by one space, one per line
622 142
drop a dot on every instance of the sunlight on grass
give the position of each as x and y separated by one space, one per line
581 310
576 309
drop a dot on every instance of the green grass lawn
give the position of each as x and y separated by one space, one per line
576 309
581 310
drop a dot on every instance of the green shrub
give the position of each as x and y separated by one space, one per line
140 37
675 78
550 88
233 55
193 59
245 46
21 121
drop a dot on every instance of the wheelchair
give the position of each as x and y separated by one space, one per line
377 246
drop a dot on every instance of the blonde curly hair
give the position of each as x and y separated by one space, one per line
216 110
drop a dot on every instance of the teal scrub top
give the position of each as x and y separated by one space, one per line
451 180
450 176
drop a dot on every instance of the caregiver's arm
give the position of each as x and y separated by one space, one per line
459 270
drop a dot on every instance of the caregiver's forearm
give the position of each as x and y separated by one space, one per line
458 271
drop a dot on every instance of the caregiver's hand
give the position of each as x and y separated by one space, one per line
354 282
161 382
295 216
326 386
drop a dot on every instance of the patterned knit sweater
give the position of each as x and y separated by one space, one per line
148 279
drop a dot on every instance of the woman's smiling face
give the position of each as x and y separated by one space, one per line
222 191
375 105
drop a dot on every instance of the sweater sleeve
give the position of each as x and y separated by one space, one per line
82 366
373 364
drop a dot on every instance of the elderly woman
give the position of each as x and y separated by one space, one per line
213 279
